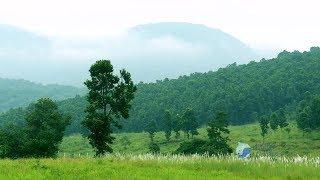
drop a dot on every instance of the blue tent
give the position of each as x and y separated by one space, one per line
243 150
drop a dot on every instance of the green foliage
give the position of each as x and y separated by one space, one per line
151 129
282 120
263 123
45 126
276 143
12 141
190 123
168 123
309 115
39 137
245 92
154 148
195 146
177 125
218 139
109 99
274 121
218 134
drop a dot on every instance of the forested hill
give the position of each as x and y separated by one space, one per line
243 91
16 93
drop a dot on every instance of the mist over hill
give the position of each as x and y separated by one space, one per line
150 52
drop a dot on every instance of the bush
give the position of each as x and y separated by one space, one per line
40 135
199 146
154 148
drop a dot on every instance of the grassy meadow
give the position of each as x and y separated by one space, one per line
121 166
276 157
277 143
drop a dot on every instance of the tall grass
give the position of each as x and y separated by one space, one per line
148 166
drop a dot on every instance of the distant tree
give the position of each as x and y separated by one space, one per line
151 129
263 122
154 148
109 99
274 121
167 124
217 133
282 120
309 115
190 123
218 139
176 125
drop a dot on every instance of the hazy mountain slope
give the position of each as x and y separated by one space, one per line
171 49
17 93
159 50
245 92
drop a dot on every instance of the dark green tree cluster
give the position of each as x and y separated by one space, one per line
274 121
39 136
217 143
190 123
309 115
168 123
151 129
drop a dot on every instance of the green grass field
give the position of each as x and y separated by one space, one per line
132 161
160 167
277 143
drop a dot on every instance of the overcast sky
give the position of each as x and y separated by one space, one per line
268 24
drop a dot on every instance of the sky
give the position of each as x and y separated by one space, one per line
263 25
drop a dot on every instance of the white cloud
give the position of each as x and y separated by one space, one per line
289 24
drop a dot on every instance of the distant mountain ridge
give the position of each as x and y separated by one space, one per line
159 50
183 48
17 93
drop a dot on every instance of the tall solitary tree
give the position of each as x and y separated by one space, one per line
109 98
167 124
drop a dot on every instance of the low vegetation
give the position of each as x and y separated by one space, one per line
160 167
276 143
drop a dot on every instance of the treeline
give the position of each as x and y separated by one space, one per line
244 92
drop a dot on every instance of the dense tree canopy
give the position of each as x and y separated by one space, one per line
245 92
309 115
38 136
